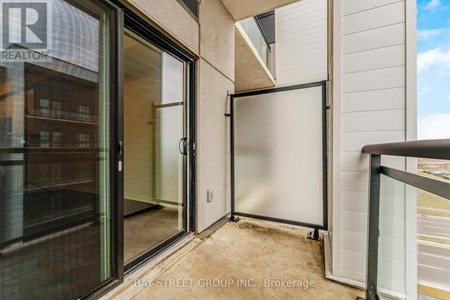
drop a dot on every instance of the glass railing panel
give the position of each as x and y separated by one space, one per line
392 239
433 245
258 40
255 35
263 53
414 242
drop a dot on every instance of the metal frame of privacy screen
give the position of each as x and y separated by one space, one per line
234 214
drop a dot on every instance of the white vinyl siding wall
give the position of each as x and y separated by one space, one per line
301 42
372 72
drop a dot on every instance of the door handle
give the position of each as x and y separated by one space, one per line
120 148
184 150
120 156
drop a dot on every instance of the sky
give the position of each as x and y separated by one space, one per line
433 69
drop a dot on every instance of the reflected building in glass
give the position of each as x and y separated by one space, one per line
54 161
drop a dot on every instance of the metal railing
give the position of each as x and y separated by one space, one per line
432 149
258 38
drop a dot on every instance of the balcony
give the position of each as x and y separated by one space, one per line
244 260
253 57
251 258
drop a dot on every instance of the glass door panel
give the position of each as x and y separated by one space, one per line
55 175
154 164
169 164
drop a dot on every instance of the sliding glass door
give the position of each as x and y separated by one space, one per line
57 161
155 147
96 147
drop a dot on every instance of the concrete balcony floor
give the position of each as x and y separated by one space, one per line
250 249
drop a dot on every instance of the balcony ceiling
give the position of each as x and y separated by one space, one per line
241 10
250 71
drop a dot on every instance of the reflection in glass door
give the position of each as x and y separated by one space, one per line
154 147
55 159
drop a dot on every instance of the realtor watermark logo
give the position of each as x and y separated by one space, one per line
25 30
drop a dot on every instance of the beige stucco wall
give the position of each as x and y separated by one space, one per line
213 145
212 40
216 77
216 38
173 18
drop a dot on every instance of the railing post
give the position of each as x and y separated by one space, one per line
233 218
373 230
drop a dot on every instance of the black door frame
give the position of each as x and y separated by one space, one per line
149 33
116 92
130 20
234 213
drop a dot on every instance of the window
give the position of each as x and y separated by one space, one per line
44 137
83 140
57 109
57 139
83 113
45 107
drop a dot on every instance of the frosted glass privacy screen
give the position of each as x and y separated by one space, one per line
278 155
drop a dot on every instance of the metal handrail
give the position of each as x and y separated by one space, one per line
437 149
434 149
437 187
